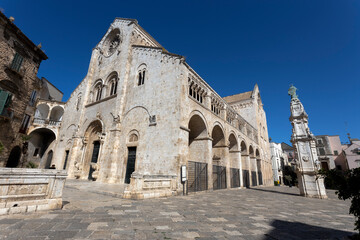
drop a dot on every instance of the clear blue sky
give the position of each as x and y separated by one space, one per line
314 45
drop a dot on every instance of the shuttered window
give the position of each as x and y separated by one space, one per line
32 98
17 61
24 124
3 99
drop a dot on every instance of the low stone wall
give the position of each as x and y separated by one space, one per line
29 190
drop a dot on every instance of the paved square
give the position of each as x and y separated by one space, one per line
257 213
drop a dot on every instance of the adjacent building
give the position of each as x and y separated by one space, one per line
328 149
20 60
290 154
279 160
350 155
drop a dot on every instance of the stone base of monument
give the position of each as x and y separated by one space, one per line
311 186
29 190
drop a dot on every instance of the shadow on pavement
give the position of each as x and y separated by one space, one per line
267 190
296 230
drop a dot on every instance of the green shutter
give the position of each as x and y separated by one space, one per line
3 97
17 61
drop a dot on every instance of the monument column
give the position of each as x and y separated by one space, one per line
305 149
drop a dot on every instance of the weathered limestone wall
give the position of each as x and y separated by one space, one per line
29 190
153 117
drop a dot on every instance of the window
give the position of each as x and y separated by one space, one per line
141 77
215 108
78 102
321 151
5 100
113 87
24 124
196 93
319 141
32 98
17 61
36 152
98 90
336 152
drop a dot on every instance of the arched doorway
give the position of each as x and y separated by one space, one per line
14 157
198 155
93 142
40 142
219 150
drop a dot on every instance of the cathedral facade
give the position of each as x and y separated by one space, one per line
141 113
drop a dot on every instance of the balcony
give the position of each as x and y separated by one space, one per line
7 113
48 114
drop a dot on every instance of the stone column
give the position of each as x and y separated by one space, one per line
115 161
310 185
240 169
235 162
207 101
75 156
209 158
227 164
253 168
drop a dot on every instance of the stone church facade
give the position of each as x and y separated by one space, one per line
141 113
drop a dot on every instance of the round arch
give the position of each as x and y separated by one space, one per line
251 151
257 154
244 150
42 111
197 127
218 136
40 140
233 144
133 136
56 113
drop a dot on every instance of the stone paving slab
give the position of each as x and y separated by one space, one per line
257 213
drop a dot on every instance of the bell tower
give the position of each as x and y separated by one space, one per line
305 149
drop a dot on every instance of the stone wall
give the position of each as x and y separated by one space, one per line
20 83
29 190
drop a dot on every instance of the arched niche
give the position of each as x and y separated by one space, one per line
197 128
56 113
42 111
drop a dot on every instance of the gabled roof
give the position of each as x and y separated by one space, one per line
238 97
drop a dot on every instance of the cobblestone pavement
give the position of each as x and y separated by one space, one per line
257 213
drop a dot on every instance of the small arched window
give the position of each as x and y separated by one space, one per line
78 102
98 91
141 74
113 85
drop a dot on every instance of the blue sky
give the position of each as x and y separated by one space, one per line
314 45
